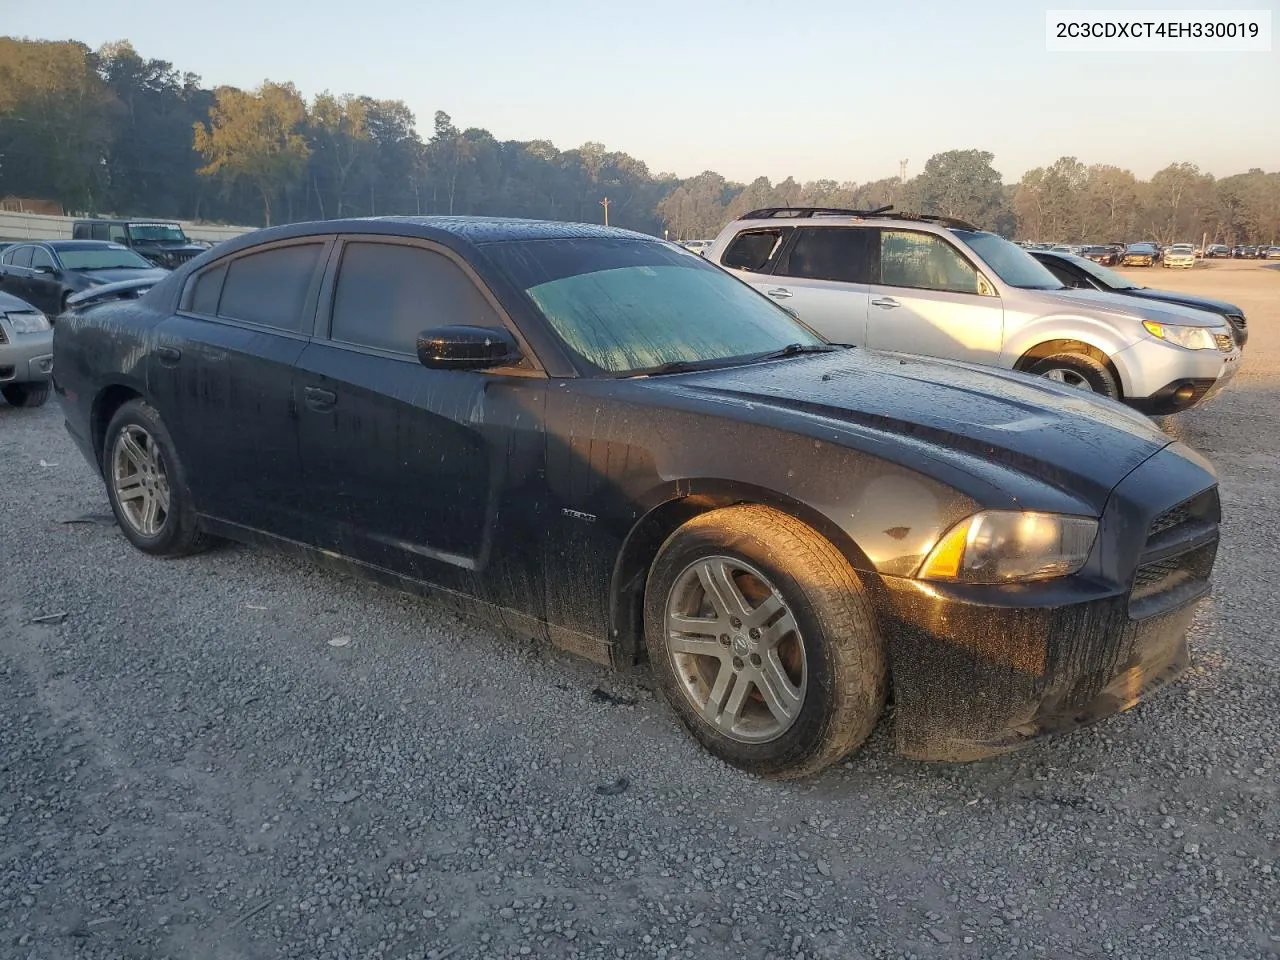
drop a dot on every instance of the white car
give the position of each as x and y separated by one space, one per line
697 246
1180 255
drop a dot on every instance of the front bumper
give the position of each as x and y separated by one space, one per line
981 670
1185 262
1157 374
26 358
1137 261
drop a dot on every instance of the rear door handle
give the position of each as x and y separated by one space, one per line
168 355
780 293
887 302
319 399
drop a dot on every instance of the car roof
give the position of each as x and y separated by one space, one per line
82 244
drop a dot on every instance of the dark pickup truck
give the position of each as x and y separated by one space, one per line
162 242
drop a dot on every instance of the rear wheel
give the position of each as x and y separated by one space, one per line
26 394
763 641
1079 371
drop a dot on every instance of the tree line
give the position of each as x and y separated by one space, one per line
109 131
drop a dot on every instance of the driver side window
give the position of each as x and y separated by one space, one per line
40 258
118 234
924 261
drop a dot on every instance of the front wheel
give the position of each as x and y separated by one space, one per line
26 394
763 640
147 486
1078 371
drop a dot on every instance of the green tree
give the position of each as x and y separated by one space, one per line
960 183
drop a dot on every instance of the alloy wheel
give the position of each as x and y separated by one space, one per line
1068 378
140 480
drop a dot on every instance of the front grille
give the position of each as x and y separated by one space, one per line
1238 320
1226 343
4 337
1168 575
1176 563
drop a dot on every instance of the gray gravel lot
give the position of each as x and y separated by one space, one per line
191 768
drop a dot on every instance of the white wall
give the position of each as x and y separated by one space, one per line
35 226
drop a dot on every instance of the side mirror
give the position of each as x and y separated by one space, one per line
44 268
462 347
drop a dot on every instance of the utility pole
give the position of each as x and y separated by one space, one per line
902 171
605 203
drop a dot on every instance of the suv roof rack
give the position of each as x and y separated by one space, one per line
886 212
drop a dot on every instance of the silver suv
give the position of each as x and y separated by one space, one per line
944 288
26 353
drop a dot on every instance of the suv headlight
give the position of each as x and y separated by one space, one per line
1193 338
28 322
1003 546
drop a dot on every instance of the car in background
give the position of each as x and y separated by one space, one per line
940 287
605 442
48 273
162 242
1181 255
1217 251
1271 253
26 353
696 246
1081 274
1106 255
1140 255
1245 252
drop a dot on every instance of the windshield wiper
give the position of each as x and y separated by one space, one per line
796 349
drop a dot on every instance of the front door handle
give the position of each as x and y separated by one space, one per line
887 302
319 399
780 293
168 355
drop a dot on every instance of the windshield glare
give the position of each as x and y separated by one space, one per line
624 306
157 232
104 258
1010 262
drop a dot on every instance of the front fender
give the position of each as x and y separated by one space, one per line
1103 336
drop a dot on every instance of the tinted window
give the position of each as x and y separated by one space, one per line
751 251
270 287
208 287
924 261
80 231
40 257
1063 274
117 233
101 231
832 253
19 256
387 294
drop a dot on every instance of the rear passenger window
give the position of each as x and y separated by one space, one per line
751 250
208 287
270 288
847 254
924 261
387 294
101 231
19 256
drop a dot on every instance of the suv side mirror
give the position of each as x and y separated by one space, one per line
44 268
462 347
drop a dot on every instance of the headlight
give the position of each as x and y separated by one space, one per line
28 322
1193 338
1002 546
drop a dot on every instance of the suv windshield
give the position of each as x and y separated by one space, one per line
1011 263
626 306
104 258
1114 280
157 232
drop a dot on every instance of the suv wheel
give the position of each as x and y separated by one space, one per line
26 394
763 641
1079 371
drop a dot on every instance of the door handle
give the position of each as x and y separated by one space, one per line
780 293
319 399
168 355
887 302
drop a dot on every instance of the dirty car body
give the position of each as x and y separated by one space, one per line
540 489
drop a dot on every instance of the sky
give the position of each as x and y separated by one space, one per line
839 89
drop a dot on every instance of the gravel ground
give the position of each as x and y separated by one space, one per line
240 755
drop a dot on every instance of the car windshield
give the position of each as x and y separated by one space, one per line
103 258
1141 248
626 306
1011 263
1109 278
157 232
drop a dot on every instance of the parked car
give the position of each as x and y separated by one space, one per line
617 446
1271 253
943 288
1140 255
1217 251
697 246
47 273
162 242
1080 273
1108 256
26 353
1246 252
1180 255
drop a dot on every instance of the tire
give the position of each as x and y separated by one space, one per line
1080 371
833 659
152 474
26 394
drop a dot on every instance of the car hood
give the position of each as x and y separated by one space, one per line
1122 306
11 304
115 275
986 422
1185 300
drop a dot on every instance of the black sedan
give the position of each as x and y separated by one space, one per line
1108 256
1140 255
47 273
604 441
1083 274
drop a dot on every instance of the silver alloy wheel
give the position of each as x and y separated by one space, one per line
736 649
140 481
1068 378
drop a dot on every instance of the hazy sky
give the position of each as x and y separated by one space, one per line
827 88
